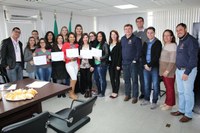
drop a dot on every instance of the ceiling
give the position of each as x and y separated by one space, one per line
100 7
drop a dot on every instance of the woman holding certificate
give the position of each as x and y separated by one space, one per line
28 57
71 55
59 72
42 61
86 65
115 61
101 63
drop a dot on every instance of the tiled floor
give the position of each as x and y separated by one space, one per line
116 116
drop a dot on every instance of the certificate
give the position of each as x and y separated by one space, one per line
40 60
86 54
72 52
37 84
57 56
96 52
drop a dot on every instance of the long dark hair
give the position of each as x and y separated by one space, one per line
110 38
78 25
28 43
84 34
103 37
46 36
171 34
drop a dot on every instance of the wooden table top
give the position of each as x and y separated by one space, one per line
46 92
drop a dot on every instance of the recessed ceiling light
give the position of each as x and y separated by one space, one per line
34 0
90 10
128 6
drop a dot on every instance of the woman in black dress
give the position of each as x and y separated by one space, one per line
59 72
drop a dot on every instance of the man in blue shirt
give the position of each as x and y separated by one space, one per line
131 51
186 63
150 57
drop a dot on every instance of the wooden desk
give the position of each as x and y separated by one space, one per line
11 112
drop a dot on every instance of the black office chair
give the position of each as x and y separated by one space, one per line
71 119
36 124
3 75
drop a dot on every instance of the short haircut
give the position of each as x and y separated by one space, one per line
15 28
139 18
151 28
128 25
34 31
183 25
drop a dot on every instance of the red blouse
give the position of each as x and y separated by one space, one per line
67 46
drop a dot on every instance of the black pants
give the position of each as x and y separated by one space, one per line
114 78
85 80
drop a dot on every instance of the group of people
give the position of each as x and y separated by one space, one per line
141 56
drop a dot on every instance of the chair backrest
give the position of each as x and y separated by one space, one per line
3 75
80 111
36 124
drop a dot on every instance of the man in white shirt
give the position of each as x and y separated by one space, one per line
12 58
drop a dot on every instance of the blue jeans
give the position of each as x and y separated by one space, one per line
44 73
130 72
15 73
151 77
100 78
31 75
185 91
141 75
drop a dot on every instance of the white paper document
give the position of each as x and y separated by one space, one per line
96 52
86 54
37 84
72 52
57 56
40 60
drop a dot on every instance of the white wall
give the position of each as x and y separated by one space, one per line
2 25
169 19
48 18
117 22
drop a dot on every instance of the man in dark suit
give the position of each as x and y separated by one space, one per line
12 58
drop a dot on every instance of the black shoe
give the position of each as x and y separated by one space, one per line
86 94
59 96
134 101
63 95
89 93
141 96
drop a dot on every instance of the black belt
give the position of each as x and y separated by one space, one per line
18 62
